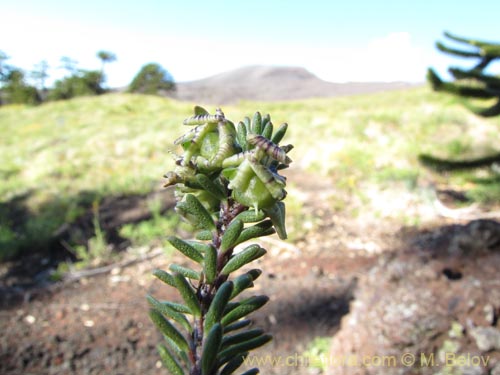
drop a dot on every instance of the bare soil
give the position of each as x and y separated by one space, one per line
99 324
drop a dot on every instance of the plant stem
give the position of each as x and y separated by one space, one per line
206 292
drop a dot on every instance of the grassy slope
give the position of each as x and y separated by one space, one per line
67 153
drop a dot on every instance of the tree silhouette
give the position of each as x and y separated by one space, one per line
4 68
40 75
474 83
105 57
17 91
69 64
152 79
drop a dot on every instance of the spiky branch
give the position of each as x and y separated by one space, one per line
473 83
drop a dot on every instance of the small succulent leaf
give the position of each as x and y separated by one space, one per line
169 361
277 215
231 235
258 230
208 185
179 307
218 305
231 306
171 346
280 133
210 265
254 273
204 235
185 248
241 136
267 132
211 348
241 283
237 325
197 209
238 338
165 277
235 350
169 313
247 255
266 119
187 272
257 123
200 111
188 294
250 305
250 216
248 125
233 364
168 329
200 246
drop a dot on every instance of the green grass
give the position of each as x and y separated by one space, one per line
59 157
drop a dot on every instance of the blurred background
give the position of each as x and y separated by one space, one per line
393 194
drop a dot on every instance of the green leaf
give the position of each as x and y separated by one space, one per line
257 123
194 211
169 312
200 211
168 329
280 133
231 235
200 246
209 186
187 272
250 216
277 215
254 273
234 364
247 255
241 337
185 248
188 294
230 306
204 235
165 277
267 132
216 309
246 121
210 267
241 283
177 307
246 307
200 111
261 229
211 348
169 361
176 351
234 350
241 136
237 325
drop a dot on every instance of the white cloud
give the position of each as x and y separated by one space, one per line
389 58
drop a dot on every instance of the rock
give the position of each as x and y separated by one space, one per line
400 307
496 369
487 338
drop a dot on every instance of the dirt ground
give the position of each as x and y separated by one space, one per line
99 324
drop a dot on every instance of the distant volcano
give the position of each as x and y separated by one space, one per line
272 83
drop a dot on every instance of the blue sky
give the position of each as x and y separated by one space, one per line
356 40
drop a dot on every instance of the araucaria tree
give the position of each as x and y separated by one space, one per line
474 83
229 189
